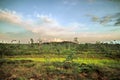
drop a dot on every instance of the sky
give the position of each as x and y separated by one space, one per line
59 20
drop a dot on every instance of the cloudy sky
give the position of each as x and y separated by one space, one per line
57 20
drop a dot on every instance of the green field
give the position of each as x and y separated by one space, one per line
60 61
99 62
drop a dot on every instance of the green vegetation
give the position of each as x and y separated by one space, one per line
59 61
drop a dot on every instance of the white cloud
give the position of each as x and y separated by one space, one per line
47 19
70 2
10 16
47 27
78 26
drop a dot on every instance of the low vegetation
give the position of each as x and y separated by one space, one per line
60 61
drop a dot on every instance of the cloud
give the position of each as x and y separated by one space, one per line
94 18
44 25
47 19
75 2
75 26
107 20
117 23
115 0
14 18
70 2
49 29
102 20
116 15
10 16
117 19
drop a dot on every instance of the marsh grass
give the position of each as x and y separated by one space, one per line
60 61
58 68
100 62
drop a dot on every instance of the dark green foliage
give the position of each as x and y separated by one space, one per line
4 50
60 48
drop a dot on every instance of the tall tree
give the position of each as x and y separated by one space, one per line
31 42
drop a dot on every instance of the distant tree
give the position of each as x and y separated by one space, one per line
76 40
2 41
39 41
2 50
13 41
97 42
111 42
19 42
39 45
115 41
31 42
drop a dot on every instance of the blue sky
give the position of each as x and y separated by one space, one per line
58 20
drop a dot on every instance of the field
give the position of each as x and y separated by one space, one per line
60 61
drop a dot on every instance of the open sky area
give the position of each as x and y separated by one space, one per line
59 20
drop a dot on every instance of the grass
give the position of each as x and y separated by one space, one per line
95 61
57 62
55 68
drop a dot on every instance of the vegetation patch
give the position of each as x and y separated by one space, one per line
59 61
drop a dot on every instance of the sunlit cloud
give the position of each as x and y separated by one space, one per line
49 29
10 16
44 25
